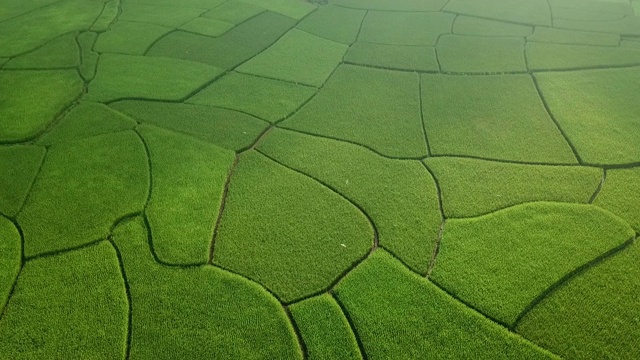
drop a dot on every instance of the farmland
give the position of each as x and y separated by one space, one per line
341 179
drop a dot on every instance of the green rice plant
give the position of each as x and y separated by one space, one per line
544 56
595 315
394 5
489 119
207 27
399 196
597 110
229 50
381 112
32 99
83 187
620 194
168 14
225 128
572 37
418 58
126 76
603 8
20 165
131 38
10 259
469 25
13 8
3 61
405 28
298 57
188 178
85 120
325 330
627 25
268 99
499 263
630 44
69 305
286 231
234 12
185 313
473 187
292 8
400 315
472 54
526 12
61 52
107 17
199 4
334 23
36 28
88 57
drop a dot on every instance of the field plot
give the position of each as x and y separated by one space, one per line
319 179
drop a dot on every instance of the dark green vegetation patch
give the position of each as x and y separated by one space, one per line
80 302
403 316
287 231
499 263
20 165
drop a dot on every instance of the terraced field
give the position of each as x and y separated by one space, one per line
342 179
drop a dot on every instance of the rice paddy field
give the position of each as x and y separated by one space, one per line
334 179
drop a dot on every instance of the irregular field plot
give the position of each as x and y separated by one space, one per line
319 179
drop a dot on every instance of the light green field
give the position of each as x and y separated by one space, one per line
319 179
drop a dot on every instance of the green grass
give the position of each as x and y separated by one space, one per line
571 37
334 23
32 99
400 315
499 263
233 12
267 99
72 304
83 187
86 120
631 44
400 196
207 27
544 56
225 128
19 164
325 330
595 315
598 112
61 52
418 58
394 5
188 178
195 312
286 231
468 25
405 28
126 76
621 195
229 50
10 259
382 111
131 38
39 27
199 4
498 117
12 8
170 15
475 187
490 55
297 57
88 57
530 12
